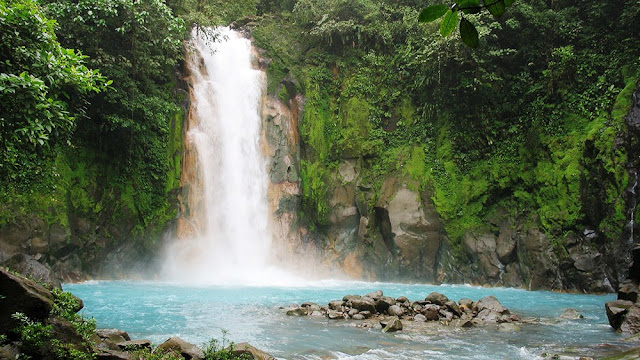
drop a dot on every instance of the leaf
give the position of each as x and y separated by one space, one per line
449 23
508 3
470 6
468 33
432 13
495 7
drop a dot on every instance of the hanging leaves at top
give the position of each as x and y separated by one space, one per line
454 16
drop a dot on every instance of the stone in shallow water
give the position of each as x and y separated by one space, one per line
419 318
436 298
391 325
375 295
571 314
395 310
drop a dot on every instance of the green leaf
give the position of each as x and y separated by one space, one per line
470 6
495 7
432 13
468 33
449 23
508 3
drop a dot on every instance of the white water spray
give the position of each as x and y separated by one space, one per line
233 244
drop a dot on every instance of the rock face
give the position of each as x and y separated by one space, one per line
20 294
624 313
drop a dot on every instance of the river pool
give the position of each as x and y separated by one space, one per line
159 310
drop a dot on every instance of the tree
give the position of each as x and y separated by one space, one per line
42 86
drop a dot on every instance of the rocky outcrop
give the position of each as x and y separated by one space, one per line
435 307
19 294
624 313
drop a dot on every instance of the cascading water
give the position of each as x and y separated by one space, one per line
232 244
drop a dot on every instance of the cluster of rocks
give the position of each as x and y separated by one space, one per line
19 294
389 311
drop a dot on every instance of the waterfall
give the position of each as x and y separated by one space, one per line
632 207
232 244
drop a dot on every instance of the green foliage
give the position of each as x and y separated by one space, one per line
157 354
42 85
222 349
33 334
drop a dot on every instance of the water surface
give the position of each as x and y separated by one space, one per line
157 311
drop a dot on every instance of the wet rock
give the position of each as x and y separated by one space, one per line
358 317
186 349
436 298
571 314
245 348
298 311
110 338
465 302
490 303
336 305
364 304
348 298
66 333
453 307
391 325
375 295
395 310
22 295
431 312
616 311
631 323
334 315
353 312
508 327
9 352
445 315
419 318
366 314
402 299
383 303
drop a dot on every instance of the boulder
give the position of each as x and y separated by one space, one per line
616 312
110 338
431 312
436 298
348 298
358 317
113 355
383 303
628 291
364 304
395 310
508 327
453 307
29 267
334 315
419 318
465 302
571 314
64 331
256 354
402 299
490 303
488 315
366 314
186 349
375 295
631 323
20 294
297 311
391 325
336 304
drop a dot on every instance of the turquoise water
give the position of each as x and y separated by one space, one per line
157 311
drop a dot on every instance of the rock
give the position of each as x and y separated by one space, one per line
353 312
29 267
436 298
22 295
453 307
298 311
383 303
358 317
336 304
431 312
508 327
616 311
186 349
631 323
348 298
391 325
364 304
66 333
110 338
402 299
395 310
628 291
113 355
488 315
245 348
135 345
9 352
419 318
571 314
445 315
375 295
366 314
309 304
490 303
316 313
466 302
334 315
